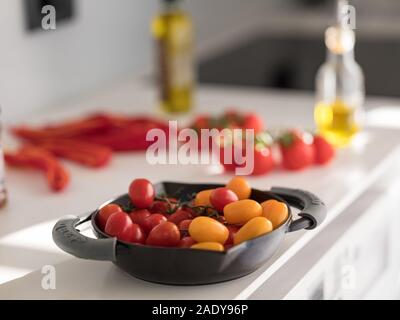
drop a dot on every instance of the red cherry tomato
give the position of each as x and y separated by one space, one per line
141 193
228 246
186 242
164 207
297 150
165 234
220 197
105 213
232 231
184 225
138 216
179 216
159 207
253 121
152 221
117 225
221 219
133 234
324 151
229 163
192 212
263 161
262 155
201 122
232 117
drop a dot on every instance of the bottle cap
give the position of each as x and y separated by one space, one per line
339 39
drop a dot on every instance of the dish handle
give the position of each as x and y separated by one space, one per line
69 239
313 210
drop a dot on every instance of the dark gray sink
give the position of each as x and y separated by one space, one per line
292 62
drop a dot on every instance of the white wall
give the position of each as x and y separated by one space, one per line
108 39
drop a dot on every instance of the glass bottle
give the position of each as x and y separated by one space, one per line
340 88
3 191
173 32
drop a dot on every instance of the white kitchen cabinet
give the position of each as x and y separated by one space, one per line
358 255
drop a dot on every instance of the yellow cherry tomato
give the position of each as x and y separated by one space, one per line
240 186
275 211
214 246
205 229
252 229
239 212
203 198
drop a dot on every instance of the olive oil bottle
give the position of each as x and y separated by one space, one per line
173 31
339 86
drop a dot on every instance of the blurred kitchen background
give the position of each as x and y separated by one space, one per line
275 43
100 45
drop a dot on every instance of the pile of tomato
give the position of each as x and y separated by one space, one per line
289 149
214 219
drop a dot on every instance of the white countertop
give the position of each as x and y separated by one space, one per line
26 223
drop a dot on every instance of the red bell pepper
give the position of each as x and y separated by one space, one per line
33 157
87 154
89 125
120 133
129 138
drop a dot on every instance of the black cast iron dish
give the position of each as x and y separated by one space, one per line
188 266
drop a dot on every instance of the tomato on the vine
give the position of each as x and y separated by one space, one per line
194 213
139 216
152 221
159 207
186 242
184 225
179 216
164 206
